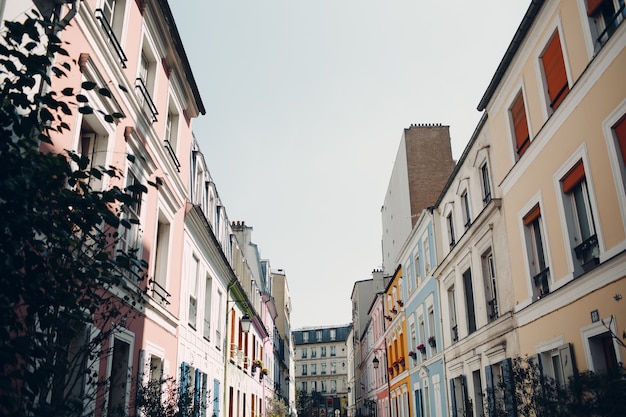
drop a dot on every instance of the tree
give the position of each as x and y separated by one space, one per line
59 252
277 408
586 393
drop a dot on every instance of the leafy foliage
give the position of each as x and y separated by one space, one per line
59 255
586 394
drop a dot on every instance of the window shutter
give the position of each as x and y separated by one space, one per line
592 6
566 357
573 177
453 398
620 132
216 397
554 69
532 215
196 393
520 124
491 391
184 383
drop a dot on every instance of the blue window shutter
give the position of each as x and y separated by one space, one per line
216 397
196 393
509 387
184 384
453 398
491 390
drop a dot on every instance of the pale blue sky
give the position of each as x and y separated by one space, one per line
306 102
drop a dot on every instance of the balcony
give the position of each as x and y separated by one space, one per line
146 100
588 253
159 293
541 282
611 26
172 154
115 44
492 308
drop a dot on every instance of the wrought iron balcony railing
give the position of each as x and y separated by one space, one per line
114 42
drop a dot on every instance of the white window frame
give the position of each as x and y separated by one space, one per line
595 329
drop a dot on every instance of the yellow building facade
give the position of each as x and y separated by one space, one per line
556 108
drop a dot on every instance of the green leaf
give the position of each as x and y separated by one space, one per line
104 92
108 118
82 98
67 91
85 110
130 157
121 87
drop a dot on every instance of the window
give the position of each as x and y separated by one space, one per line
539 271
491 290
156 368
422 333
304 353
479 408
119 383
313 352
426 245
333 351
144 84
131 237
333 334
159 283
111 17
318 335
469 301
413 336
454 328
304 387
333 385
603 355
557 364
520 124
333 368
578 212
313 386
193 292
467 218
554 72
431 327
305 337
323 385
458 395
170 139
451 237
604 18
313 369
486 184
418 268
620 134
499 381
208 290
323 368
304 369
323 351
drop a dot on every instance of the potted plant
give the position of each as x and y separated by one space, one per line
401 360
432 341
413 354
400 303
421 348
394 311
390 370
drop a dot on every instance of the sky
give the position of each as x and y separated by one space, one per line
306 102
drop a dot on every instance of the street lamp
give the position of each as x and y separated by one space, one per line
245 323
376 362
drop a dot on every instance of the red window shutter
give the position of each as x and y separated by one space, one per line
592 6
573 177
554 69
620 132
520 124
532 215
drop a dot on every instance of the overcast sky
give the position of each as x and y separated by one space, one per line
306 102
